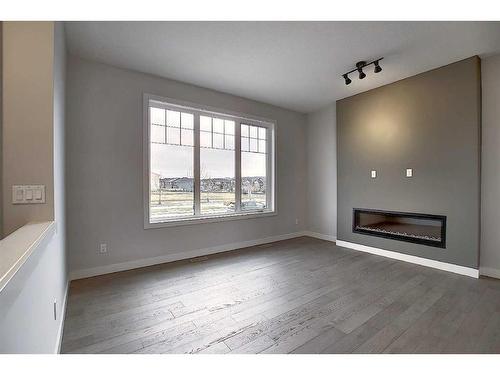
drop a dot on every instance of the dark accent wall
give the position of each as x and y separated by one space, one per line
431 123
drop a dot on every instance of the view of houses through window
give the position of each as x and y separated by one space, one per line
174 170
172 164
217 172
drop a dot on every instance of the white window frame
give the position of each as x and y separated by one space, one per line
197 110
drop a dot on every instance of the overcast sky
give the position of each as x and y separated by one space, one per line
177 161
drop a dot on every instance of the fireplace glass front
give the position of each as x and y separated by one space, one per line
424 229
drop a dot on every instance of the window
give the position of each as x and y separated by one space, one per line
217 166
253 167
171 177
205 165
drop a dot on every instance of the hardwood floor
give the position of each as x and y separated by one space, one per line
297 296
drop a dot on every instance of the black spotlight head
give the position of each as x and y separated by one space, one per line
361 73
377 69
347 79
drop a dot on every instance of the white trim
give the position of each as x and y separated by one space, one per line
237 163
490 272
461 270
161 100
117 267
211 219
196 169
124 266
325 237
62 317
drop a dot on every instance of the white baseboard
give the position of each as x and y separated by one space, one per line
320 236
125 266
60 331
461 270
490 272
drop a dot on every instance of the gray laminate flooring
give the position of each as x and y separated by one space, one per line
296 296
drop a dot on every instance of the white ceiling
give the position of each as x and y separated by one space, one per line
295 65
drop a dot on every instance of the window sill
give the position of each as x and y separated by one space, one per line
208 219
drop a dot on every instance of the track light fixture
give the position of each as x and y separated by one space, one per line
361 73
359 68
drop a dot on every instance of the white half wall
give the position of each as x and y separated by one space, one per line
322 172
105 166
490 172
28 322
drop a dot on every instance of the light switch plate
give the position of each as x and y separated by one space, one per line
374 174
409 172
28 194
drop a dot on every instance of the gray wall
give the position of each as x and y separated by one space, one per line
28 58
59 260
490 166
322 172
27 323
431 123
59 132
104 168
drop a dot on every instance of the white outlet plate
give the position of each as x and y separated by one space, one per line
373 174
409 172
103 248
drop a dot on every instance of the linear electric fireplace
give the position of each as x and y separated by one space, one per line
403 226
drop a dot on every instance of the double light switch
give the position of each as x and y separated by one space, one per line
28 194
408 173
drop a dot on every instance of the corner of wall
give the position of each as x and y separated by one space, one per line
321 191
35 67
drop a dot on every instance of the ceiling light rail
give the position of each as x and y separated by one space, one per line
359 68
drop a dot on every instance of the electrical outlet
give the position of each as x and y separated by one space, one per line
55 309
296 221
103 248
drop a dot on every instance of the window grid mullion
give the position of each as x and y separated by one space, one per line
212 132
223 134
180 129
197 179
166 126
269 170
237 164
